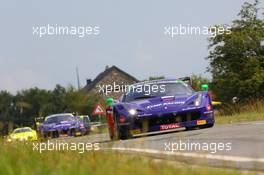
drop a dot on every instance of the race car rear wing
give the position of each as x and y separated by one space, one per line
187 80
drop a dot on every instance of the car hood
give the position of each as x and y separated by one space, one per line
161 103
22 135
60 124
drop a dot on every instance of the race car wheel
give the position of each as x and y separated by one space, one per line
45 135
116 133
125 136
55 134
120 135
72 133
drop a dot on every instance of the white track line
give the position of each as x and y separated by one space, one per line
193 155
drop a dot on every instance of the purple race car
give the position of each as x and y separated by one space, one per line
161 106
62 124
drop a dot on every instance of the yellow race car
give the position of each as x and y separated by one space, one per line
23 134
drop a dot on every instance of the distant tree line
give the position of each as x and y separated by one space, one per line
23 107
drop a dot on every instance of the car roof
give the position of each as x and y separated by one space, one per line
160 81
56 115
22 128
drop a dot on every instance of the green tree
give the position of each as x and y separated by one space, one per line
58 95
33 102
6 106
75 101
27 104
237 59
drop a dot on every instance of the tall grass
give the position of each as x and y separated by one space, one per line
249 106
253 106
251 111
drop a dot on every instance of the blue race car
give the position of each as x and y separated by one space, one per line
161 106
62 124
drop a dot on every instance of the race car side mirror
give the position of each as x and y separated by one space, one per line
205 87
109 101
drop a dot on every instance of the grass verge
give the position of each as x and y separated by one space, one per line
252 111
21 159
242 117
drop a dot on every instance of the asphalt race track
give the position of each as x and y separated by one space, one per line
238 145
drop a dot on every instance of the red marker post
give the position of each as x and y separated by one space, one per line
110 118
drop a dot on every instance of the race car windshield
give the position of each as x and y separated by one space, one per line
58 119
157 90
22 130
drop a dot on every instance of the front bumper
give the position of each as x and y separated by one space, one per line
22 139
64 131
167 122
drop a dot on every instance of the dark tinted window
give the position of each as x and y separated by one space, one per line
59 118
151 91
22 130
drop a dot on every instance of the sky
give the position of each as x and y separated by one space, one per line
131 37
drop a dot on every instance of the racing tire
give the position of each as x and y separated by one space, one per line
116 133
120 135
73 133
45 135
125 135
55 134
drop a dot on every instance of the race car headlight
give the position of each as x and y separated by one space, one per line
198 100
132 111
